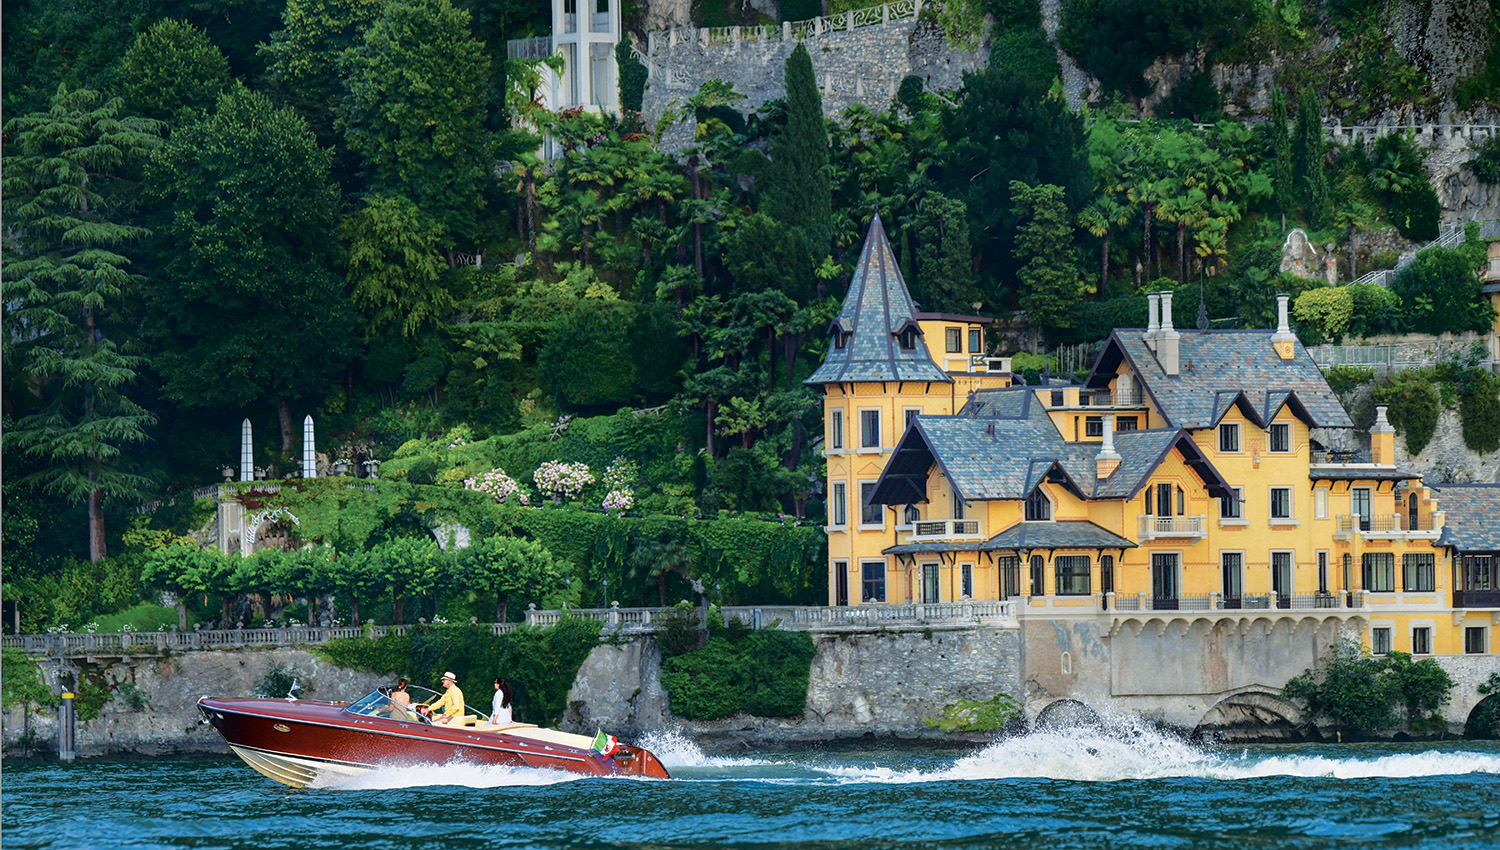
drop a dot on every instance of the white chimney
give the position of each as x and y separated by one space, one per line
1284 341
1108 459
1167 338
1152 325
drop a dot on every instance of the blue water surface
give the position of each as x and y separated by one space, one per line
1061 789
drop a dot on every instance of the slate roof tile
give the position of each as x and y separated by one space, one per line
1469 512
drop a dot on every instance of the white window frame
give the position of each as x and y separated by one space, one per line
1388 628
966 581
1241 520
1485 638
879 435
838 503
1051 505
885 581
907 413
1291 555
1243 562
836 430
1271 440
879 509
1291 506
950 334
1320 503
1411 635
905 524
1239 442
1322 571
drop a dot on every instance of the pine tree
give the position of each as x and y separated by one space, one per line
945 260
1050 284
799 195
63 279
1309 149
1281 146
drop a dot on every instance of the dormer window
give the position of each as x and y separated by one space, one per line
1038 506
840 340
908 339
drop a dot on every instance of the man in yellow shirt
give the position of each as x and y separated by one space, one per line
451 706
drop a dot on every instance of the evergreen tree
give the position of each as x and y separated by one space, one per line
800 196
417 111
1281 149
1050 284
1309 147
64 277
173 73
304 55
632 78
945 261
249 307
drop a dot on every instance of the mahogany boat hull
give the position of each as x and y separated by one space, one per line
299 742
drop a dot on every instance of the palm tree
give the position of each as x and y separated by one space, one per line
1100 218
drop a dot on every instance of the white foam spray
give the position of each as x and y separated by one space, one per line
453 773
676 750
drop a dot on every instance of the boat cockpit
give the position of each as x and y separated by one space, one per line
379 703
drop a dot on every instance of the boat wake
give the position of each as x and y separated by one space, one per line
1124 749
676 750
453 773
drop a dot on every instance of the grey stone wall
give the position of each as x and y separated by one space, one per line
865 65
171 686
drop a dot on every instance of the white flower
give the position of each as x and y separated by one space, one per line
562 480
619 500
497 485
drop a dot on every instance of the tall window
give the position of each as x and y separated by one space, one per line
930 584
1038 507
1281 437
1232 566
836 429
1418 571
872 581
976 341
839 509
1106 573
955 340
1229 437
1231 507
840 339
1380 641
1072 575
869 514
958 508
1164 500
1009 567
1359 506
1281 503
869 429
841 582
1379 571
1323 573
1421 641
1281 578
1320 503
966 572
908 339
1038 575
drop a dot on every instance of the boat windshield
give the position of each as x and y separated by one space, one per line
378 704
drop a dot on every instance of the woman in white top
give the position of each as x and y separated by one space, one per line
500 713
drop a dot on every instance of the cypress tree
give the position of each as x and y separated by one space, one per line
1309 158
1281 146
799 195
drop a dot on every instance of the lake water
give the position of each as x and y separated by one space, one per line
1120 787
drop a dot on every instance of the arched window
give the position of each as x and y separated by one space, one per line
911 515
908 339
1038 506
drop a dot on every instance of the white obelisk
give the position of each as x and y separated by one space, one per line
247 453
309 453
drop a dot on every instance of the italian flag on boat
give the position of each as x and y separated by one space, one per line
605 745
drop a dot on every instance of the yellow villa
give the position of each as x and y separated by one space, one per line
1193 472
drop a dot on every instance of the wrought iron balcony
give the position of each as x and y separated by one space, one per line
945 529
1183 527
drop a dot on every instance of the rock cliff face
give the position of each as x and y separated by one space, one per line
881 684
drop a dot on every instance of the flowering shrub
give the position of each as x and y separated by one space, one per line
497 485
562 480
619 500
621 474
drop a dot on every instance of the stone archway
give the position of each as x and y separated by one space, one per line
1255 716
1484 721
1068 714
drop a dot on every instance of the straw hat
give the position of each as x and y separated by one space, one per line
448 676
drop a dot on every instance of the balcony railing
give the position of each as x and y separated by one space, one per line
944 529
1385 525
529 48
1137 602
1159 527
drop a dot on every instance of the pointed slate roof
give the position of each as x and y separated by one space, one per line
877 309
1219 370
1469 512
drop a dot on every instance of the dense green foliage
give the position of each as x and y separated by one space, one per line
762 673
1479 410
1364 694
1413 408
21 681
541 664
349 217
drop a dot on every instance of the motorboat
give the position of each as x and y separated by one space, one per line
298 742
